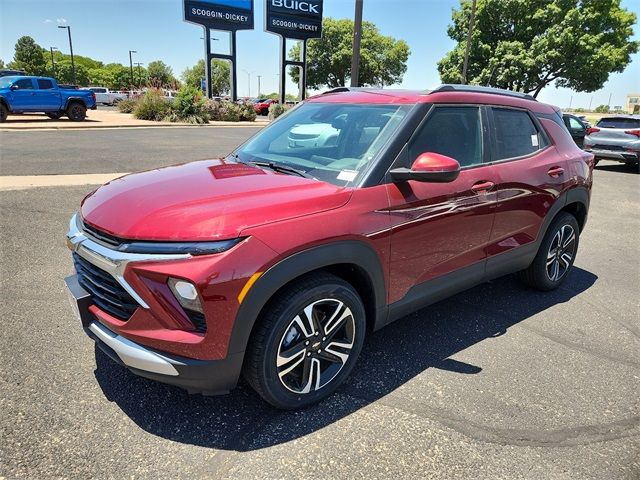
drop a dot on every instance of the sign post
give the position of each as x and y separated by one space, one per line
226 15
296 20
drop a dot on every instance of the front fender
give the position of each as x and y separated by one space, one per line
342 252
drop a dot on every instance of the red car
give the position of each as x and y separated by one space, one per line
261 106
276 261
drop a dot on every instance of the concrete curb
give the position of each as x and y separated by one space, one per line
102 127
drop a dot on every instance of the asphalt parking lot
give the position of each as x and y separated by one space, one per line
496 382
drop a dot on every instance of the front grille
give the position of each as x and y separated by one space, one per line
612 148
101 236
105 291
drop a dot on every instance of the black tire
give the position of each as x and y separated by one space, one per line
76 112
265 111
4 112
542 273
278 331
54 115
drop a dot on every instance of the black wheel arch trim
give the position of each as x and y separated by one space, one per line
341 252
71 100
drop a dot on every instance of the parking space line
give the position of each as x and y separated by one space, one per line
23 182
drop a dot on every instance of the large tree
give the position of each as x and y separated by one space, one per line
525 45
220 76
383 58
29 56
160 74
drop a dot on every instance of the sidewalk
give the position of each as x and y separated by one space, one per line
105 119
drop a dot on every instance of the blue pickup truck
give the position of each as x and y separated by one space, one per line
21 94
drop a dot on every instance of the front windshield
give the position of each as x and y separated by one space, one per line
333 142
5 82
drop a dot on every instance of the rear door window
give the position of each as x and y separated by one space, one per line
619 123
44 84
515 133
452 131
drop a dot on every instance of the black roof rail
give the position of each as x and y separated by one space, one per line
479 89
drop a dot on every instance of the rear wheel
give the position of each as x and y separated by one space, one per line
4 112
307 342
76 112
54 115
556 254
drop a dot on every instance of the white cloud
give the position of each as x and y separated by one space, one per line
61 21
48 20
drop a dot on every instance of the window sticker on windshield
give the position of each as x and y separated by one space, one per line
534 140
347 175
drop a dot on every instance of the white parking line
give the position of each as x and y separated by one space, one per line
23 182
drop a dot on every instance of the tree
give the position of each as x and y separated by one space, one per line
159 73
220 76
29 56
1 63
526 45
383 59
602 109
64 73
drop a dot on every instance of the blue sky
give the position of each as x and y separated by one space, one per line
108 29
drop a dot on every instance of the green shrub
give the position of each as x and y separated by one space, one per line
248 113
127 105
275 110
231 112
214 110
152 106
189 106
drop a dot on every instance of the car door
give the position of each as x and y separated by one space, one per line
531 175
23 96
576 129
48 96
441 228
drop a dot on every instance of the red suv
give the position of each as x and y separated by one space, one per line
275 261
261 106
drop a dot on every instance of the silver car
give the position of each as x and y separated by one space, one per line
615 138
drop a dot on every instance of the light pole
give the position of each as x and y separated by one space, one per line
469 38
73 65
249 80
53 62
131 64
139 75
357 36
259 77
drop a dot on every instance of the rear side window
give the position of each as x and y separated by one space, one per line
24 84
44 84
516 134
452 131
619 123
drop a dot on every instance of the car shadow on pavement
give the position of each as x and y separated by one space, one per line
241 421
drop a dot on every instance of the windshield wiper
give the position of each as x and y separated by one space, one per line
277 167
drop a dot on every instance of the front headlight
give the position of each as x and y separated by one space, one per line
173 248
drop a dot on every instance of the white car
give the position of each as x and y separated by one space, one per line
313 135
106 96
615 138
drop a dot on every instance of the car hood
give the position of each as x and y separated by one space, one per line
206 200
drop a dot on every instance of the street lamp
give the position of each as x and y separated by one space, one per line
131 65
53 62
73 65
139 75
249 78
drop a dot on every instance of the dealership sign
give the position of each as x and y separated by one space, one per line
295 19
220 14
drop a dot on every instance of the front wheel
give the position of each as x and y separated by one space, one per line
4 113
76 112
307 342
556 254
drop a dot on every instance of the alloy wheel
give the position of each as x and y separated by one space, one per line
315 346
561 252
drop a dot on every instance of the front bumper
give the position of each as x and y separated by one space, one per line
210 377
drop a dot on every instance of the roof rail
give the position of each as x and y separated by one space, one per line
479 89
349 89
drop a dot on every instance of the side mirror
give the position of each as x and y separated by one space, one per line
13 87
429 167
